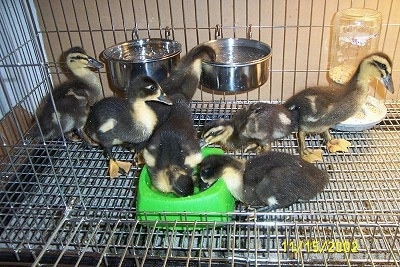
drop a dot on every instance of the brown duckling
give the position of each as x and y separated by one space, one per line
115 121
322 107
272 180
72 99
255 126
174 150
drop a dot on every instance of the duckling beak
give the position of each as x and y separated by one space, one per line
388 83
183 186
94 63
163 98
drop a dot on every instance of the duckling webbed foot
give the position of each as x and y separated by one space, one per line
116 168
257 210
338 145
312 155
254 147
80 135
138 158
73 137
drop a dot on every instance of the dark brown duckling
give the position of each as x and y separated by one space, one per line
174 150
322 107
272 180
115 121
72 99
255 126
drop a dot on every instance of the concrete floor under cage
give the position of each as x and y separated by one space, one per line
79 216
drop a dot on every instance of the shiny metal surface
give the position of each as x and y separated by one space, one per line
153 57
241 65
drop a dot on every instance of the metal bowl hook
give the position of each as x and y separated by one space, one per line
167 32
249 34
218 31
135 34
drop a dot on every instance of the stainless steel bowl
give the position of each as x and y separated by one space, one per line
240 65
154 57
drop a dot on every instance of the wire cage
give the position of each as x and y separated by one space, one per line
59 207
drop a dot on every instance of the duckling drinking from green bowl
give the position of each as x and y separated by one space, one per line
271 180
72 99
255 126
115 121
174 150
324 106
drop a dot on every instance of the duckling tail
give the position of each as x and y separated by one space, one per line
185 78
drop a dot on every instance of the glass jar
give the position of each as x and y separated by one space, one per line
355 34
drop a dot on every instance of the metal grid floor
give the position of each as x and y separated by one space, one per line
59 207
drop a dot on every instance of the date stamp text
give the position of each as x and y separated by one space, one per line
320 246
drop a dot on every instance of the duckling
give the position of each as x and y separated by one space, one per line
256 126
322 107
272 180
115 121
185 77
174 150
72 99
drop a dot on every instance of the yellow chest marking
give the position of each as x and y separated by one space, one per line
144 115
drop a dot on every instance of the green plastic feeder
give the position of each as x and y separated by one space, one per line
166 210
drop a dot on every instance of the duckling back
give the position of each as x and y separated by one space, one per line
279 179
255 126
185 77
264 123
113 120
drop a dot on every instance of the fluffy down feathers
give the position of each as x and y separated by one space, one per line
272 179
255 126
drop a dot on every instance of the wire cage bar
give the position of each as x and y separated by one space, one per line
59 207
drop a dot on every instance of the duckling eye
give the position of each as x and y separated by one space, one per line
217 132
151 87
214 133
204 172
78 58
380 65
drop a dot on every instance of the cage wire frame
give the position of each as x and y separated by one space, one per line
58 207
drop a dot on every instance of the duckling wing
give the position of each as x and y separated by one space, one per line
109 122
320 107
72 110
283 179
270 186
268 122
262 123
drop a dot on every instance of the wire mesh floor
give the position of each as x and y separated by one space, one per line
59 207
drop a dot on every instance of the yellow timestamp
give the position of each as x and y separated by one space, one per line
320 246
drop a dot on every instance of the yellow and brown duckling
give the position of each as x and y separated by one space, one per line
322 107
174 150
255 126
115 121
72 99
270 180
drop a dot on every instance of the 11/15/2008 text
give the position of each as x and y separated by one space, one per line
320 246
